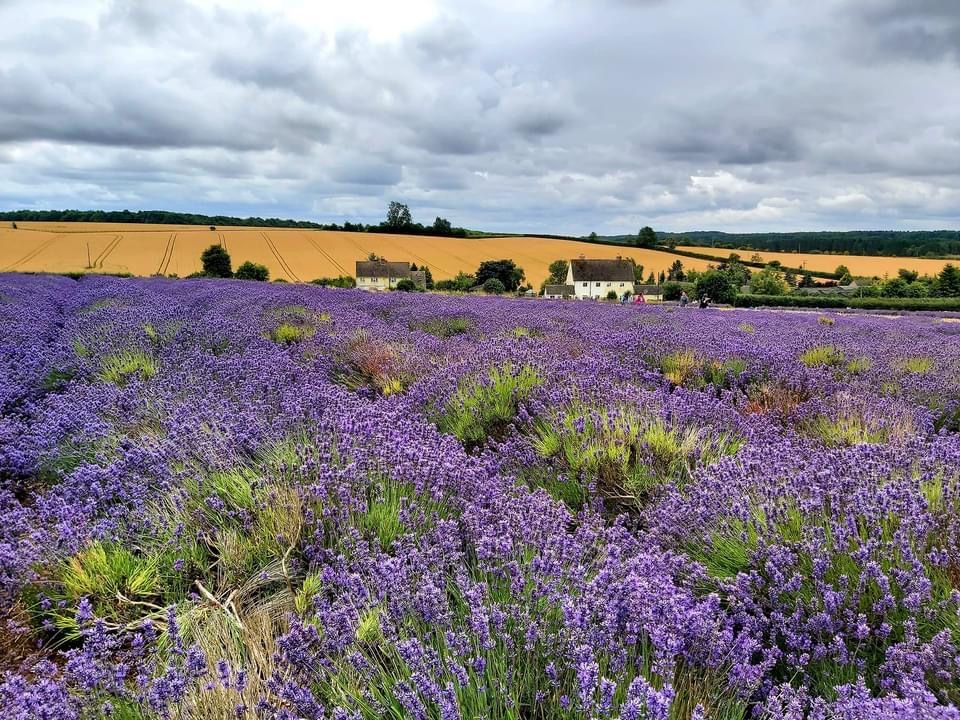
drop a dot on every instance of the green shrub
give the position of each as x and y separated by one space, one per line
246 522
717 286
612 295
406 285
341 281
673 290
99 305
768 282
493 286
252 271
481 408
119 367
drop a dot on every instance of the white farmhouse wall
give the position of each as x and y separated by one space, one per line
375 283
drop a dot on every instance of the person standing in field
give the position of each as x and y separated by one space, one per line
684 298
640 299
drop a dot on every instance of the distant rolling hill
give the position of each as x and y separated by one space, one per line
290 253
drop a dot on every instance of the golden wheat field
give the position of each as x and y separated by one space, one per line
291 254
859 265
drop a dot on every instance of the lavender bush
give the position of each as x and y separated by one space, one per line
224 500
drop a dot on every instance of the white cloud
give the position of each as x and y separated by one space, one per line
720 184
851 200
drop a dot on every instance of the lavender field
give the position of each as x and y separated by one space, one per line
238 500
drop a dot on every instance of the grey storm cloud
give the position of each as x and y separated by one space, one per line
923 30
555 116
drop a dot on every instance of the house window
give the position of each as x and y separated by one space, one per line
621 284
598 284
585 284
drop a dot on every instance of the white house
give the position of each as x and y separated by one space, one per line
384 275
596 278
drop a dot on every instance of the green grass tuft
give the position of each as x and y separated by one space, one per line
859 365
119 367
916 365
289 334
680 367
483 408
849 428
625 453
445 327
80 348
822 356
117 582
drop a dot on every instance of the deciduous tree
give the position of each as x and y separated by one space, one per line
216 262
506 271
398 216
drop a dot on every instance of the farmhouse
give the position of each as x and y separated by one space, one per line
596 278
384 275
839 290
650 292
558 292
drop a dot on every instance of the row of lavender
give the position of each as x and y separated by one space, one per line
224 500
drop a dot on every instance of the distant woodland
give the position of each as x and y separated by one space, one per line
921 243
935 243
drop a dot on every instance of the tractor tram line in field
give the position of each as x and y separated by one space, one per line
33 253
276 253
425 263
167 254
107 251
173 245
327 255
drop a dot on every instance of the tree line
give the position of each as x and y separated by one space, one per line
398 220
920 243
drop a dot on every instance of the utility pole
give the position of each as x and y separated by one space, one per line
88 255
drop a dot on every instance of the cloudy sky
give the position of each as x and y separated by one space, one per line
564 116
